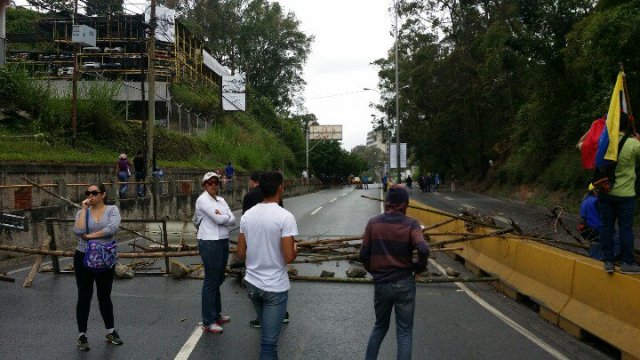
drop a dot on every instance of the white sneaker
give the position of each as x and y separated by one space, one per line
213 328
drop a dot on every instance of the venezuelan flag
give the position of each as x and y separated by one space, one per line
608 144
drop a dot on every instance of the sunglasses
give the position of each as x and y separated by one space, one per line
212 181
94 193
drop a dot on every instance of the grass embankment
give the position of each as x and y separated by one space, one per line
28 107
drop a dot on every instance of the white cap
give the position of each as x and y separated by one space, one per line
209 175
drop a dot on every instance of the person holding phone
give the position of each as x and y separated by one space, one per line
94 221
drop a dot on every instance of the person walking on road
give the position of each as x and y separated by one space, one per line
267 243
387 247
229 171
212 216
619 204
99 222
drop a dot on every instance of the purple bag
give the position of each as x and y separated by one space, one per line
99 257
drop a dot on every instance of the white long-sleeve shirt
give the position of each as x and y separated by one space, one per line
213 226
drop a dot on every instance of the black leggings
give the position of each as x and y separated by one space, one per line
84 280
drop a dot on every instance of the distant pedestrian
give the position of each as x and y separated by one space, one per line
99 222
139 166
229 171
365 182
409 181
387 249
436 182
267 243
384 182
429 182
305 177
123 172
213 216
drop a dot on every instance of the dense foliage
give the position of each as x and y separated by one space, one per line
515 81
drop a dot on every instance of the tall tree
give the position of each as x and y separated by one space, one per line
255 37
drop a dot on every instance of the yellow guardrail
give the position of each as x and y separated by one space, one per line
572 290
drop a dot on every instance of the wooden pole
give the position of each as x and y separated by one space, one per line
419 280
122 255
466 219
78 206
36 265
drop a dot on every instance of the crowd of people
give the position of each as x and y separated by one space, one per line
267 245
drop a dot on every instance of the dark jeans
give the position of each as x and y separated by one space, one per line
400 295
270 307
140 186
123 176
84 281
620 209
215 254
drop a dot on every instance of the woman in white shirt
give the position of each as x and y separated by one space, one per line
213 215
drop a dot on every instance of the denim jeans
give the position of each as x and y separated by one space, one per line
400 295
618 208
270 307
140 190
215 254
123 176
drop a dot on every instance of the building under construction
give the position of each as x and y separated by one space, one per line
121 54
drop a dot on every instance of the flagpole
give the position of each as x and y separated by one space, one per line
627 96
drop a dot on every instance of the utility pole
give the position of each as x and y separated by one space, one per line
74 86
151 113
397 102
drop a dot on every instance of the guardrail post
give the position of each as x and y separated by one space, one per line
166 246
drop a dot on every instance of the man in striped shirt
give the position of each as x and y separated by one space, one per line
387 253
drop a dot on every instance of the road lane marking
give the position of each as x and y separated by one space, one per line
191 343
448 198
497 313
316 210
332 200
467 206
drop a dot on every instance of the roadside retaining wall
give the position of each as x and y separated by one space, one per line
572 290
172 197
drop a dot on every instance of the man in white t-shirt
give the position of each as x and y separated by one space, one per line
267 243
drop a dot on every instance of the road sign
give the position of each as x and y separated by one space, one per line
325 132
83 35
233 93
394 155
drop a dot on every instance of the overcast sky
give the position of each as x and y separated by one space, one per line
349 35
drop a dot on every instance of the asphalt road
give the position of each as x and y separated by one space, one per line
157 316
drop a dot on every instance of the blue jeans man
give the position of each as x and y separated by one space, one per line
620 209
122 177
401 296
215 254
270 307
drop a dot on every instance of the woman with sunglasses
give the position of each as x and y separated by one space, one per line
212 217
103 222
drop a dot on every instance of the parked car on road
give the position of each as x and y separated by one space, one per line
67 70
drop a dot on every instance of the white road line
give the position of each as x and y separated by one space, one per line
467 206
191 343
332 200
316 210
448 198
497 313
436 193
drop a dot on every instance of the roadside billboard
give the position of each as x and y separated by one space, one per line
393 155
233 93
325 132
83 35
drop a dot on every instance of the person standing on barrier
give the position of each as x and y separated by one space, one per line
387 249
213 216
139 167
619 205
267 243
103 222
123 172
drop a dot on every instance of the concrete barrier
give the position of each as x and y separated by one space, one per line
572 290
